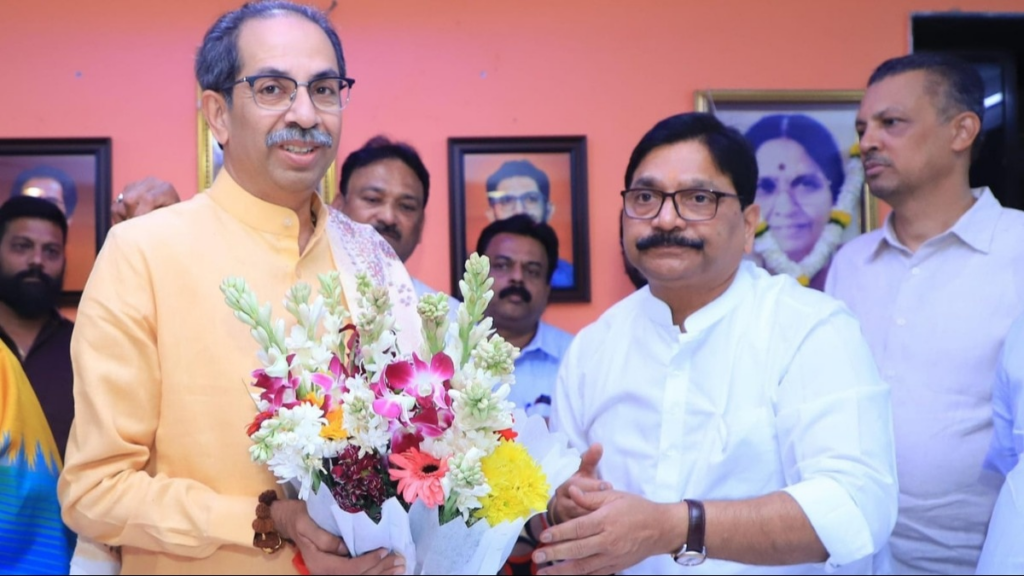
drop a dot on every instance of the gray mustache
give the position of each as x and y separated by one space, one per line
869 157
306 135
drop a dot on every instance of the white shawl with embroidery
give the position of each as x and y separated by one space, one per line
359 249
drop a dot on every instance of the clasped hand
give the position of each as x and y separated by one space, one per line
603 531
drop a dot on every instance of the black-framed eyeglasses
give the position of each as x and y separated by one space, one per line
274 92
691 204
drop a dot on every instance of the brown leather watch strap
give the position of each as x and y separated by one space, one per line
695 533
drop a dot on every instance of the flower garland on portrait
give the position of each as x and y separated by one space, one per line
777 262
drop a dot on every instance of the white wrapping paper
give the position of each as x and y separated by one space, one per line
454 548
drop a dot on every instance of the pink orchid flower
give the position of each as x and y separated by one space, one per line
274 389
427 383
432 421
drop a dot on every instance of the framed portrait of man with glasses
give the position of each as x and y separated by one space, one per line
275 93
810 182
543 177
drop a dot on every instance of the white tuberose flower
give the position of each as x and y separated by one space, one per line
291 446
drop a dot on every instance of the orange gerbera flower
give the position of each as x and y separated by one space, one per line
419 476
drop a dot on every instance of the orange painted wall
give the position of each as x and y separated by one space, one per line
428 70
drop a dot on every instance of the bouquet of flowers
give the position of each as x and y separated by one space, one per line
414 451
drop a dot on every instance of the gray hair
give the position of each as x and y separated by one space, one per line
217 63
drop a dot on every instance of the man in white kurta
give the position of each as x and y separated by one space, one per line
722 384
935 290
1003 552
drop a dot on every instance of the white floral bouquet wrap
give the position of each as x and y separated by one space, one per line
413 451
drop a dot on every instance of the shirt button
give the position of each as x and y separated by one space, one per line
915 270
287 222
901 321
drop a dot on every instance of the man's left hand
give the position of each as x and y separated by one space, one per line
620 531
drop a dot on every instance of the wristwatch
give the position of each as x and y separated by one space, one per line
693 552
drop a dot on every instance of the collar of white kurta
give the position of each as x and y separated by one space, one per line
742 284
359 249
976 227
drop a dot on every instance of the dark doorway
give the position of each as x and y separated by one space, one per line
994 43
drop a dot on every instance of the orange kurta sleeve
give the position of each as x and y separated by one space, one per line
108 491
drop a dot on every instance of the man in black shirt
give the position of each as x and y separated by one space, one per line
33 233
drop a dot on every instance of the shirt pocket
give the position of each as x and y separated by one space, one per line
744 455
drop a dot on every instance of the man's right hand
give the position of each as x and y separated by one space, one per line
323 552
563 508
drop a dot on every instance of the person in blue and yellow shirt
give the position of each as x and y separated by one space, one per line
33 539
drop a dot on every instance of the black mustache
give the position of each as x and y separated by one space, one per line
33 273
515 290
666 239
389 230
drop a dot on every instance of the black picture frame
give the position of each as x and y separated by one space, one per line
86 162
563 160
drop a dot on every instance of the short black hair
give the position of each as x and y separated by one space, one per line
523 225
729 150
954 85
67 184
962 88
381 148
19 207
525 168
218 63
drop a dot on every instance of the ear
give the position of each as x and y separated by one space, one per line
550 212
338 203
751 218
491 216
215 109
966 127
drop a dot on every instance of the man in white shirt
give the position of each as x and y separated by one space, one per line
1003 552
935 290
741 416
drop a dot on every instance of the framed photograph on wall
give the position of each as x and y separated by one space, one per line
211 158
545 177
74 174
810 181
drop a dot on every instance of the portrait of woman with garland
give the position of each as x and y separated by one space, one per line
806 194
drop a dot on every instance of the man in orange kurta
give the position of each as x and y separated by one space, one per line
158 459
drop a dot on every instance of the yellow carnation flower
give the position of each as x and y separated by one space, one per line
519 487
